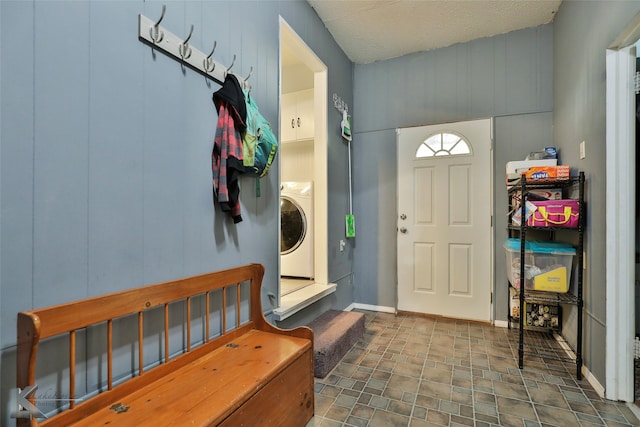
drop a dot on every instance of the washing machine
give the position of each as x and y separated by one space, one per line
296 229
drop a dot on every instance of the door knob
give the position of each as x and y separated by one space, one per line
403 230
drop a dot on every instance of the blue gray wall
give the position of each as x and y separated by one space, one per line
544 86
105 177
583 32
507 76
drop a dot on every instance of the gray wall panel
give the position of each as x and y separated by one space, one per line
106 153
579 115
498 76
16 170
375 208
482 88
61 152
516 136
115 144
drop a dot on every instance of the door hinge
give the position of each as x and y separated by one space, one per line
636 82
491 298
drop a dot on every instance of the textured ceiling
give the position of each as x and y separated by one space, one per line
375 30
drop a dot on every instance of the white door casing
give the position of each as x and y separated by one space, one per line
444 220
620 233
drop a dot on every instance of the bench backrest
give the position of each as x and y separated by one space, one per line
69 318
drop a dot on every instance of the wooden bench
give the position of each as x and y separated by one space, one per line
246 372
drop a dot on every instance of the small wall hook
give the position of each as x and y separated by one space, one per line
250 71
208 63
233 61
184 48
154 32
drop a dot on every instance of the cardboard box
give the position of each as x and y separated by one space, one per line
532 173
542 315
537 315
514 303
520 166
547 172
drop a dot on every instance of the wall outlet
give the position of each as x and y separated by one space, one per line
582 150
342 245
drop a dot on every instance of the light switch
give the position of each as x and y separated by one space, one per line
582 150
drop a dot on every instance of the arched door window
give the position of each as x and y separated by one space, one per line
443 144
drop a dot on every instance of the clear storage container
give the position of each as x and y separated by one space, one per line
547 265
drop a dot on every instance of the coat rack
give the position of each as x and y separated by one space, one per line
153 34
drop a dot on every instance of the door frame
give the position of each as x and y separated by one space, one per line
492 281
620 230
320 152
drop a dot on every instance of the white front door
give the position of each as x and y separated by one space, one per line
444 220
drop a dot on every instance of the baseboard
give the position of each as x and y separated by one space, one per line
634 408
587 375
501 323
378 308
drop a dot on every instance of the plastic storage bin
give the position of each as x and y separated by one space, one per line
547 265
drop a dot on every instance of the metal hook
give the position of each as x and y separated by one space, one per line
184 48
154 31
250 71
208 63
233 61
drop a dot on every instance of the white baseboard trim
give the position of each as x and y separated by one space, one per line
501 323
587 375
634 408
379 308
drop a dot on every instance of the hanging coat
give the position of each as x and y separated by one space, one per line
227 157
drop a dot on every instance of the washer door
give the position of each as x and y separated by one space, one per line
293 225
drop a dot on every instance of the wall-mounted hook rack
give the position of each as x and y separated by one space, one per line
151 33
340 104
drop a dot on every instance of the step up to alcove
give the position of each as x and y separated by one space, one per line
334 333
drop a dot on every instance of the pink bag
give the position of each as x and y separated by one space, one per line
555 213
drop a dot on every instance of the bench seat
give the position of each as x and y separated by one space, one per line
221 381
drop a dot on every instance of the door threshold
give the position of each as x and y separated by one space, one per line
293 302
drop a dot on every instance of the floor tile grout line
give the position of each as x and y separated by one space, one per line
424 363
515 355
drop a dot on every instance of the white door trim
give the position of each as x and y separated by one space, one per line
321 156
620 231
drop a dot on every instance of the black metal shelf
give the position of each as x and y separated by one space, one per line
547 229
526 344
542 297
